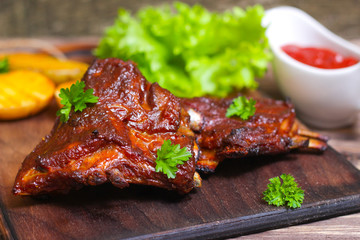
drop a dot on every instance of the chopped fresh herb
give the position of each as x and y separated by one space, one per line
169 156
241 107
4 65
287 192
190 50
74 98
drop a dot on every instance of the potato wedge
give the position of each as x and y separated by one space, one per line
57 91
24 93
57 70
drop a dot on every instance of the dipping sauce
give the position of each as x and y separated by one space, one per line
319 57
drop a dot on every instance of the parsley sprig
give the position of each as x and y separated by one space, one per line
241 107
75 98
4 65
287 192
169 156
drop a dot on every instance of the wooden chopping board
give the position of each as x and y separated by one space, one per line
228 204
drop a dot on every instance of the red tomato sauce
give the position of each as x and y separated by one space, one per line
319 57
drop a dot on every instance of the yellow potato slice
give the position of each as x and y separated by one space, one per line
57 70
24 93
57 91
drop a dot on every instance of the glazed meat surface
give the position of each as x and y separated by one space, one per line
272 130
114 140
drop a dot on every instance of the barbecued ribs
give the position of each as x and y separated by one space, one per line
272 130
116 139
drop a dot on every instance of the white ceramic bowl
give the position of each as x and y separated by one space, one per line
323 98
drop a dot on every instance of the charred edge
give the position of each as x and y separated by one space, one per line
204 169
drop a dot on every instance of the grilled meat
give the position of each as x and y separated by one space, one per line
272 130
114 140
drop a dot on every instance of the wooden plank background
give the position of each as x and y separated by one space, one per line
43 18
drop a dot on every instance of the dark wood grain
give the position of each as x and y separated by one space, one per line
229 203
38 18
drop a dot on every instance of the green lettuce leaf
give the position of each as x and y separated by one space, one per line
190 50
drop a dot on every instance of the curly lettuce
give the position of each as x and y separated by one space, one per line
190 50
